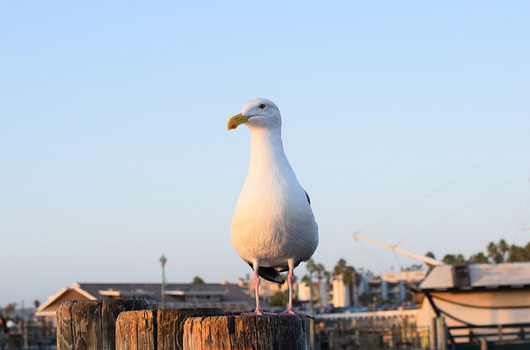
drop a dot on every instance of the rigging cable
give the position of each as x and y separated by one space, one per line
445 185
470 204
522 218
519 211
372 256
398 261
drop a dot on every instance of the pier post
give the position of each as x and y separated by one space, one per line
91 324
276 332
160 329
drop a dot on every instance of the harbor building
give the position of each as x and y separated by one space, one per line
228 296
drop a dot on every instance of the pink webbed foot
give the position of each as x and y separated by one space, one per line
257 313
291 312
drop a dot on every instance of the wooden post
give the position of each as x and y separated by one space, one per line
171 325
155 329
91 324
247 333
136 330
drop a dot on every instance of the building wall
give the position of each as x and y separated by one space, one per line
69 295
341 294
461 305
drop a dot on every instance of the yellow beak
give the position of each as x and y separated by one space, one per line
235 121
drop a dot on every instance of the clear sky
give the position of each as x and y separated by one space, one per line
114 148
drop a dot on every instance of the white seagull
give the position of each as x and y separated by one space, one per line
273 228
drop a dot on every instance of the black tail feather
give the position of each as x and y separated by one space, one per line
269 273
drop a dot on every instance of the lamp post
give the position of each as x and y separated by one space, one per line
163 289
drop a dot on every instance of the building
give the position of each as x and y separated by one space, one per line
392 287
477 299
228 296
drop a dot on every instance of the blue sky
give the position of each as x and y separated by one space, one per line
114 146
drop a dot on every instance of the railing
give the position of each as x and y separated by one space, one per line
508 333
395 329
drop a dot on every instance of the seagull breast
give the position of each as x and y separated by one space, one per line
273 220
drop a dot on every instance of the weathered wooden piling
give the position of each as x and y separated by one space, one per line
136 330
91 324
155 329
276 332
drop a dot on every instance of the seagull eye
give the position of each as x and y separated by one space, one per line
262 106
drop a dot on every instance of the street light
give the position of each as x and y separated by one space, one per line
163 289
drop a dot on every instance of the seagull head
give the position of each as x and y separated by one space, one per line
258 113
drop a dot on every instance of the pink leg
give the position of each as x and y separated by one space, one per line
256 288
290 280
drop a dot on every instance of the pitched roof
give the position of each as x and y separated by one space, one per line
481 276
224 295
229 291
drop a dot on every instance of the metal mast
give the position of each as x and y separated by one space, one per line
427 260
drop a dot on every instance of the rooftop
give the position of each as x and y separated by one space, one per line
478 276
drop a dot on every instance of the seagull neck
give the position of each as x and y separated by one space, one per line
266 149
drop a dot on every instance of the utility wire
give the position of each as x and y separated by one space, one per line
470 204
372 256
445 185
519 211
397 259
522 218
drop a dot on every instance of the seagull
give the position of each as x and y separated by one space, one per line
273 228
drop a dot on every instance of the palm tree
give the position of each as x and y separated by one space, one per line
503 248
348 276
340 267
197 280
321 273
478 258
311 268
494 254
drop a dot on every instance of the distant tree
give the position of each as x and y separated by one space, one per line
342 269
306 280
494 254
278 299
311 266
413 267
369 275
246 278
327 276
518 254
320 271
478 258
349 276
451 259
503 248
430 255
9 310
36 303
366 299
197 280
